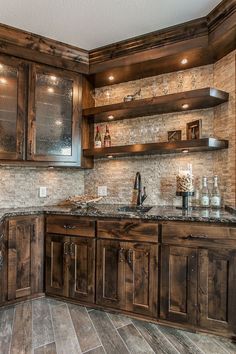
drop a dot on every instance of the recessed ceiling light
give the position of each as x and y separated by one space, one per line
58 122
184 61
111 78
110 117
50 89
185 106
185 151
109 156
3 81
53 78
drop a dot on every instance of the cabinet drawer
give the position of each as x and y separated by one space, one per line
69 225
128 230
195 233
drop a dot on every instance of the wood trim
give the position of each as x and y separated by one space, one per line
40 49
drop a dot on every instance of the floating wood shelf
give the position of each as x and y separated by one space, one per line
195 99
206 144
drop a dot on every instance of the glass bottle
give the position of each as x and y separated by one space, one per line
205 196
215 195
107 138
98 139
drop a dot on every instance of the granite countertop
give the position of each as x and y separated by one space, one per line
164 213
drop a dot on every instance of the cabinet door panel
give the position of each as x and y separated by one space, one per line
3 265
110 273
12 108
217 290
178 284
54 113
25 257
141 278
57 263
82 269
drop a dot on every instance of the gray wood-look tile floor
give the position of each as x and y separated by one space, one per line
48 326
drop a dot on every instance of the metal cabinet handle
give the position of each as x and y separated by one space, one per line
65 247
121 255
30 147
130 256
195 237
20 147
1 236
1 260
72 249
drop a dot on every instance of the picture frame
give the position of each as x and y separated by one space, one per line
174 135
194 130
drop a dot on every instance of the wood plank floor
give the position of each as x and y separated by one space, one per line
48 326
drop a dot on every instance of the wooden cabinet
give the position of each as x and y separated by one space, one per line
54 115
178 290
110 273
25 256
12 108
198 282
70 267
3 265
57 264
217 290
127 275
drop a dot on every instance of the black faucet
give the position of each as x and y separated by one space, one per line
138 186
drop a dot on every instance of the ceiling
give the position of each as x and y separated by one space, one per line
89 24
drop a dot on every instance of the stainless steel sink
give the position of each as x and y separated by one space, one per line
134 209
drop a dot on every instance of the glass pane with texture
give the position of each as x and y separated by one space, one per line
53 115
8 108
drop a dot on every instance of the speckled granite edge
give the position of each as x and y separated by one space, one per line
157 213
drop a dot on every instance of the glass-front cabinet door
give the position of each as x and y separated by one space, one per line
12 108
54 115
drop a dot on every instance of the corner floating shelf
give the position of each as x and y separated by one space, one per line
206 144
196 99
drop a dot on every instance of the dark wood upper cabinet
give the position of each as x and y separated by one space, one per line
178 297
54 111
25 256
12 108
217 290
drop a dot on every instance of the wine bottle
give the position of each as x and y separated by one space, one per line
107 138
205 197
215 195
98 139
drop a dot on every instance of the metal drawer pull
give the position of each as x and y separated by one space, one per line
69 227
130 256
65 248
121 255
191 236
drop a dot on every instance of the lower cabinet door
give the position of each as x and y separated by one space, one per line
141 278
217 290
178 300
110 273
57 264
3 265
25 257
82 269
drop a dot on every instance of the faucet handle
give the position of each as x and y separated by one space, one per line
144 195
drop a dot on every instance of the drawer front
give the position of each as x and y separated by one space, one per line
196 234
128 230
69 225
